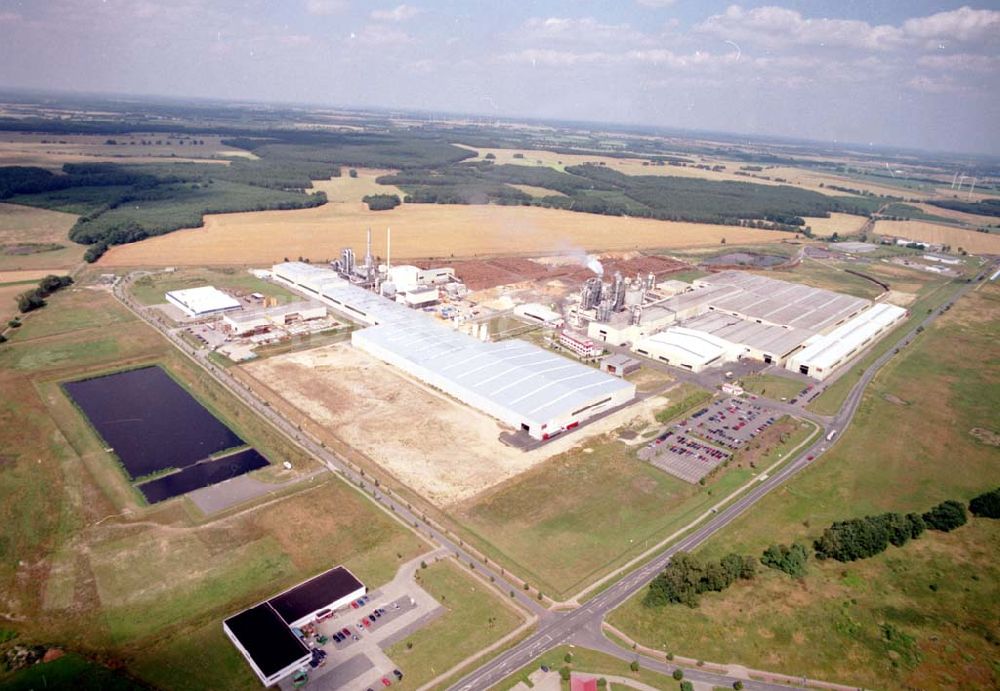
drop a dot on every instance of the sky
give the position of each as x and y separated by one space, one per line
900 73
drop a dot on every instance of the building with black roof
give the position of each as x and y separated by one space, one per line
265 633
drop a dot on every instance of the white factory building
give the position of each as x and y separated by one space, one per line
266 318
202 301
733 315
520 384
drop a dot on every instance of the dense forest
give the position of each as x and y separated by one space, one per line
987 207
592 188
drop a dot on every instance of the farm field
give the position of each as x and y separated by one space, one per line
974 220
970 240
28 239
842 224
348 189
418 231
476 617
23 149
931 397
150 290
104 575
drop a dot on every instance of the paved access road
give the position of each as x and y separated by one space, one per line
583 626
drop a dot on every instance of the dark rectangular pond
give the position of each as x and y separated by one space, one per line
150 421
202 475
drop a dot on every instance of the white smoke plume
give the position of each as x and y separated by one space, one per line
594 264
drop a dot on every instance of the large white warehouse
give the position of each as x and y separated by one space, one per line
825 353
522 385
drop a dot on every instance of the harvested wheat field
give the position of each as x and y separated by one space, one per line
972 219
969 240
52 151
842 224
418 231
435 445
348 189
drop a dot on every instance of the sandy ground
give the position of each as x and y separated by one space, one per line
844 224
900 298
444 450
970 240
418 231
348 189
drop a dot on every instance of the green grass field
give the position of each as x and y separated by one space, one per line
773 386
931 296
909 448
147 587
150 290
69 672
475 619
594 510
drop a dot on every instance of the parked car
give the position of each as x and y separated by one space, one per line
399 675
386 682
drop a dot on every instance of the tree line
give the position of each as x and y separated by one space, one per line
35 298
687 575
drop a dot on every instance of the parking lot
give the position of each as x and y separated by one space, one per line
352 638
693 447
731 422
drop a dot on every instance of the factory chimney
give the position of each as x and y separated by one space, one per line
388 249
368 251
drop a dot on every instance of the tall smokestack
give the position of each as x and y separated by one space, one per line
388 249
368 249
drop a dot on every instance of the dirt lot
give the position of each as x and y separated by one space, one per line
444 450
970 240
418 231
487 273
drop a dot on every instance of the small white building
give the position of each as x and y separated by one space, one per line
202 301
259 320
418 297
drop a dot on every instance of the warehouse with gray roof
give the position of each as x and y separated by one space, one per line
524 386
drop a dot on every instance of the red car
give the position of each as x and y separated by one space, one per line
810 458
346 632
386 682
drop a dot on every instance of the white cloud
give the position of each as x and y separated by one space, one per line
655 3
585 29
935 85
961 62
555 58
400 13
380 35
963 24
778 26
325 7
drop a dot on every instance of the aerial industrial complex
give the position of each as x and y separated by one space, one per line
734 315
524 386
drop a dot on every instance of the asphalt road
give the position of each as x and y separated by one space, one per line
581 626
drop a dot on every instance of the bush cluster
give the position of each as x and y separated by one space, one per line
860 538
687 576
986 505
790 559
33 299
946 516
381 202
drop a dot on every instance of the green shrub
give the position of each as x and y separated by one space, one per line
986 505
946 516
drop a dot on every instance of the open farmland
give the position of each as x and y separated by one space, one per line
969 240
937 593
348 189
418 231
842 224
32 238
53 150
